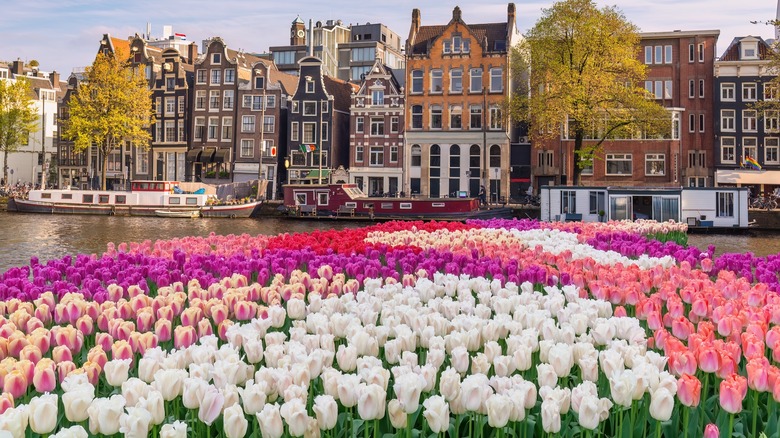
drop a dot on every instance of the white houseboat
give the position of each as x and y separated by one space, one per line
146 198
699 207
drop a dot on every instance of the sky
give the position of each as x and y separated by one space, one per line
64 35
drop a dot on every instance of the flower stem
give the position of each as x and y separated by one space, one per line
731 424
755 413
658 428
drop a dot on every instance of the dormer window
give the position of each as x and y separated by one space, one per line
749 50
259 82
377 97
216 58
309 85
456 42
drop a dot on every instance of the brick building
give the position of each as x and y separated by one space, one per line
458 78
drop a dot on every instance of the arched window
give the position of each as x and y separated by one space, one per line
416 155
495 156
454 173
475 169
435 171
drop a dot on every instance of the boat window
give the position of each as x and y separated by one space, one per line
87 199
406 205
103 199
350 204
144 186
300 199
46 195
386 205
192 201
67 196
322 199
121 199
158 186
368 205
437 204
173 200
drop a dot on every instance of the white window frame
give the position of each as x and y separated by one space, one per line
727 120
771 121
475 80
359 125
228 99
248 124
215 77
418 79
437 75
619 158
654 159
728 92
216 58
750 147
376 156
247 149
226 133
724 204
749 121
230 76
294 131
456 80
772 150
309 108
749 92
496 73
728 150
200 122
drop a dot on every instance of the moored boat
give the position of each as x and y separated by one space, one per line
347 201
183 214
144 199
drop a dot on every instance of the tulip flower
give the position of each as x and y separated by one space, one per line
732 392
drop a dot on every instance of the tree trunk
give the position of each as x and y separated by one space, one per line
103 172
576 158
5 169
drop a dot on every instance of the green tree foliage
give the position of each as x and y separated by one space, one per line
18 117
584 67
112 106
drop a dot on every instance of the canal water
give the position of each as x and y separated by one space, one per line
52 236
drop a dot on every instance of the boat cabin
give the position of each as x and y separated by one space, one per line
698 206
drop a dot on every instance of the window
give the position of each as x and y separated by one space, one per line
770 92
416 158
170 131
324 131
200 99
393 154
619 164
270 102
771 121
727 120
359 154
701 122
496 121
181 131
691 122
363 54
213 127
659 50
216 76
475 117
248 124
295 105
216 58
727 92
691 53
701 87
772 150
436 86
257 103
377 126
158 106
214 100
749 91
655 164
309 108
456 81
287 57
725 204
308 132
322 199
170 84
200 127
294 131
667 89
750 147
728 150
227 99
201 76
227 128
697 159
597 202
394 124
246 101
230 76
417 117
158 131
667 54
359 125
456 117
376 156
87 199
749 120
447 46
692 88
309 86
247 148
181 105
568 201
496 80
259 82
435 117
475 80
170 105
269 123
701 52
417 81
357 73
377 98
648 54
120 199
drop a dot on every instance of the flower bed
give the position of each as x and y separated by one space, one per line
489 328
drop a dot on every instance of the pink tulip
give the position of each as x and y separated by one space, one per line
205 328
184 336
15 383
6 402
44 379
711 431
64 368
61 353
732 391
162 328
758 374
104 340
121 350
689 390
709 359
97 356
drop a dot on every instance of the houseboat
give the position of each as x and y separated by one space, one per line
145 198
347 201
699 207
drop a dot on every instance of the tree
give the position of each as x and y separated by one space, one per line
584 70
18 117
112 106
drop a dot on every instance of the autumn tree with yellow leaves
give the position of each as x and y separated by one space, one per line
583 69
113 105
18 117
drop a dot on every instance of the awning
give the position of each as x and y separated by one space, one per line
193 155
207 155
315 174
221 155
745 177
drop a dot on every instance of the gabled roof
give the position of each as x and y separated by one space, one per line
379 69
732 51
487 33
118 44
341 91
288 82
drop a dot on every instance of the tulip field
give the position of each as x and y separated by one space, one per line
497 328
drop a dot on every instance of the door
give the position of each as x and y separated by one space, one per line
665 208
620 208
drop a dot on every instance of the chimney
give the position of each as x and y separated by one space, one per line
192 53
17 67
510 16
416 20
54 77
311 39
456 14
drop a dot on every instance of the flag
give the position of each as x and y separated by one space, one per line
308 147
752 163
180 35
